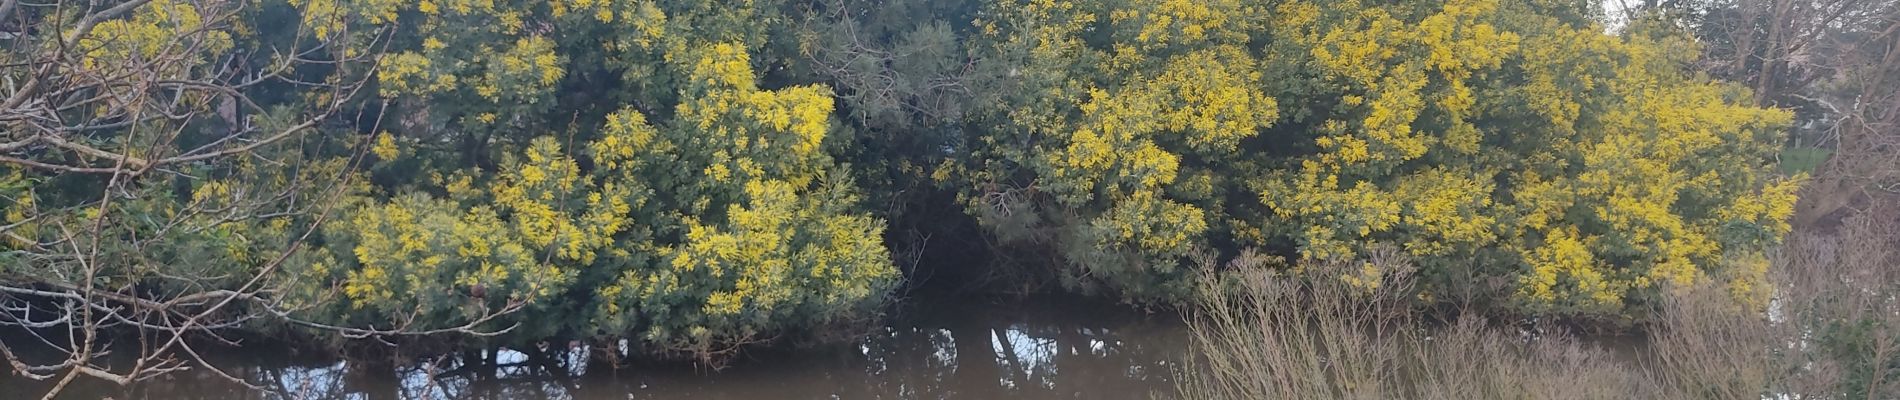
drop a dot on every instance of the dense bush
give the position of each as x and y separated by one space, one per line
700 174
1485 139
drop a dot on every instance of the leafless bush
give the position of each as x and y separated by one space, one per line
1836 309
91 280
1831 331
1471 359
1708 347
1281 336
1327 333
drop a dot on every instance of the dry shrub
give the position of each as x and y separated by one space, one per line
1709 347
1262 339
1471 359
1831 330
1326 333
1837 308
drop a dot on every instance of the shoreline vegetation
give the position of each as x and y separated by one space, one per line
1829 333
1359 199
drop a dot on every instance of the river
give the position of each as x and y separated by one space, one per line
958 349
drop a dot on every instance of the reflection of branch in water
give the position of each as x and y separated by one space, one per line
553 372
976 360
1008 351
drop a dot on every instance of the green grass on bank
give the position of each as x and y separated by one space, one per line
1796 160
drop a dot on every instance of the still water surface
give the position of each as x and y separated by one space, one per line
963 350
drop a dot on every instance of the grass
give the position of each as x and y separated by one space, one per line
1795 160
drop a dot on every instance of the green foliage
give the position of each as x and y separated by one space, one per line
1863 347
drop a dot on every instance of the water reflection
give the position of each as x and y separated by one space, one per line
1035 351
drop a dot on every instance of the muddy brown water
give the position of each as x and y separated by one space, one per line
969 349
